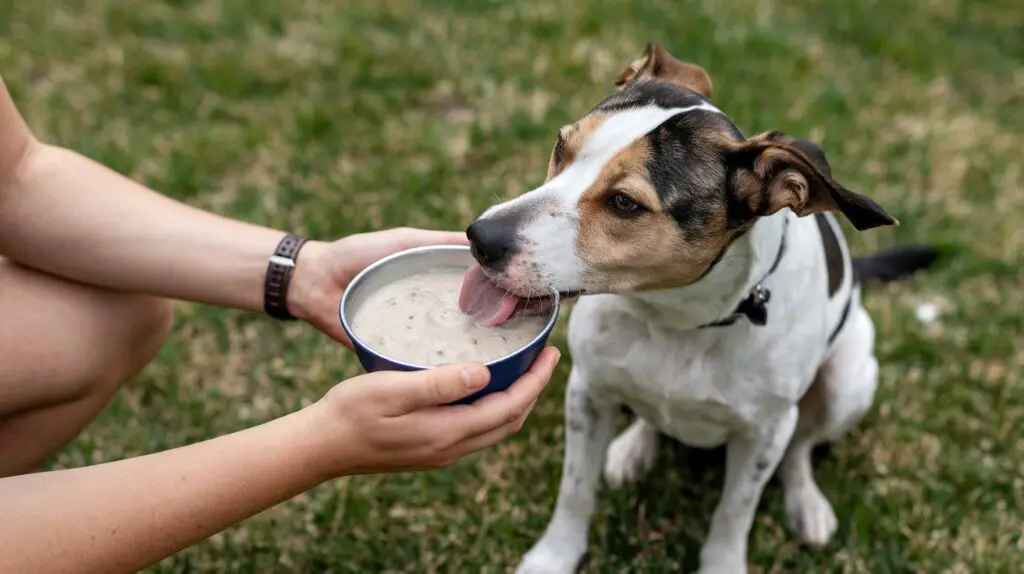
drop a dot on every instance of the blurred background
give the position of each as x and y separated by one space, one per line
328 118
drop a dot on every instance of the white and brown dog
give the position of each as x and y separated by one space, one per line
719 302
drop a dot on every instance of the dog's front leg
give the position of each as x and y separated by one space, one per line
751 459
588 430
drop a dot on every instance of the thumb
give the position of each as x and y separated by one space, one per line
438 386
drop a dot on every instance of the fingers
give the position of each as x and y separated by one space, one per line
334 331
487 439
412 237
493 436
411 391
500 409
343 339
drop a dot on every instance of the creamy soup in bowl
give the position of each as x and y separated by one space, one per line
417 319
403 313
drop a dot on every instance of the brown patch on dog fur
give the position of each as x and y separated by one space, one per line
773 173
689 221
648 250
656 62
572 139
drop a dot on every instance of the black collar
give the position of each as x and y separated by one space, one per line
754 306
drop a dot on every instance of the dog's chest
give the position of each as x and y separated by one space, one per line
695 387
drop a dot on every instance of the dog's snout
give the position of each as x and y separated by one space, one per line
492 241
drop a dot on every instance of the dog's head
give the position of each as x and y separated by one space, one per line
649 189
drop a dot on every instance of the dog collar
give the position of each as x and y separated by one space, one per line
755 306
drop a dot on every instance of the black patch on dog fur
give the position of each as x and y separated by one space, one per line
650 92
833 253
590 411
688 174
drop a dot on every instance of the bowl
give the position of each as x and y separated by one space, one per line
504 371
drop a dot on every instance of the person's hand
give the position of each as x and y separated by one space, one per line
323 270
397 421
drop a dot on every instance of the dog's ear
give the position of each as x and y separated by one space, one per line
656 62
771 171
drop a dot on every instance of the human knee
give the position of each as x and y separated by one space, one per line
148 327
142 326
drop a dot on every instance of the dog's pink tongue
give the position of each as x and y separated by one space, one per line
484 301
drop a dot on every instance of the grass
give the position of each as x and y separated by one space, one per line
330 118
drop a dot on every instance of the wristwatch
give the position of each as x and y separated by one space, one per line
279 275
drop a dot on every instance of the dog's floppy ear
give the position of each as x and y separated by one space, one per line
656 62
771 171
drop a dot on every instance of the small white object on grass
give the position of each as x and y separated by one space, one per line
927 313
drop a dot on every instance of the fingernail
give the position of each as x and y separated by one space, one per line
472 378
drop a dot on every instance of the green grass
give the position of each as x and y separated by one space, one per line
329 118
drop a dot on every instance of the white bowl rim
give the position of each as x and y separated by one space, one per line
356 341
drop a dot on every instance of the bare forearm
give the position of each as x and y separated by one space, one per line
70 216
65 214
122 516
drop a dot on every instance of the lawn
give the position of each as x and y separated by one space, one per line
334 117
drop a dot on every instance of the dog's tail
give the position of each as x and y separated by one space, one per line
893 264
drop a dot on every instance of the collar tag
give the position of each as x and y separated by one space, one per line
755 306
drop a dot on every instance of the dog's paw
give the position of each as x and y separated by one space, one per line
630 456
723 569
811 515
725 558
546 558
725 566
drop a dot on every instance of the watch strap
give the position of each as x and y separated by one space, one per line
279 274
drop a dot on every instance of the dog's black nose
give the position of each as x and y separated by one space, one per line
492 241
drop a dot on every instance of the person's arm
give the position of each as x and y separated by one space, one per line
123 516
65 214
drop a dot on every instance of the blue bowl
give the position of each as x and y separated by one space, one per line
504 371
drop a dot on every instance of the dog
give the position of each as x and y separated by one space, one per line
718 301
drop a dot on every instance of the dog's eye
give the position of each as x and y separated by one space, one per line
622 204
